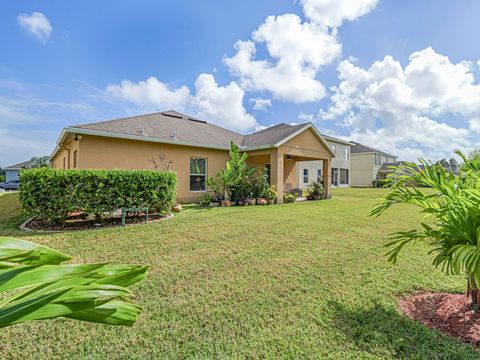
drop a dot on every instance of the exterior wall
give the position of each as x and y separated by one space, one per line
67 152
11 175
362 170
108 153
340 161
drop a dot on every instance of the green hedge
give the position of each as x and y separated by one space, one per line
52 194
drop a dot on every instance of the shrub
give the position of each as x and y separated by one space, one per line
52 194
289 198
315 189
271 193
205 199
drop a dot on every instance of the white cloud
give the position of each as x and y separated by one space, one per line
297 50
220 104
333 13
37 24
260 103
404 110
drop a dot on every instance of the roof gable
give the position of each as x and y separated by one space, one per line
360 148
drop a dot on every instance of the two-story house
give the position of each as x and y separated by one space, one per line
368 164
309 171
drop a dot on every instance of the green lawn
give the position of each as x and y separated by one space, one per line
306 280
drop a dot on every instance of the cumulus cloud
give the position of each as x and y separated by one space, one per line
333 13
37 24
259 103
297 50
406 110
220 104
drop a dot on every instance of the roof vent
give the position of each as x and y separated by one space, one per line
174 136
142 132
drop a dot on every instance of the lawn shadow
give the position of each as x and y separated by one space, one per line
384 331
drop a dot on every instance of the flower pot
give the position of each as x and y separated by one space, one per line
317 197
213 204
271 201
252 201
261 201
177 208
226 203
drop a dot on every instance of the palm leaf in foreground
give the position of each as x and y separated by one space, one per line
44 288
452 205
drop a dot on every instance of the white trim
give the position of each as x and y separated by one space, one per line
339 141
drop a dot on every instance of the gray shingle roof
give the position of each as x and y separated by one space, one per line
169 125
271 135
19 166
360 148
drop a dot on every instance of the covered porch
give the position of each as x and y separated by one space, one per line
282 169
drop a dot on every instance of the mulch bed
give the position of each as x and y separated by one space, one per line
77 223
451 314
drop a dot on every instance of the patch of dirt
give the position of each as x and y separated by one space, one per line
451 314
76 222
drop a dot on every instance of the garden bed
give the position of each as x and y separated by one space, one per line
452 314
76 223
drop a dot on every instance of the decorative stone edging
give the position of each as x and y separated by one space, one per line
24 225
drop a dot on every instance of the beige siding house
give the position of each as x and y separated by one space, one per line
368 164
309 171
195 149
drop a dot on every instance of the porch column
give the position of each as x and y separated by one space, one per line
276 173
327 178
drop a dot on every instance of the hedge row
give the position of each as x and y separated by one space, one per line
52 194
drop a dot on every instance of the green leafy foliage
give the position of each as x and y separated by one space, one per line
52 194
44 288
452 205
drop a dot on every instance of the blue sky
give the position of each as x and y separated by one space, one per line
63 63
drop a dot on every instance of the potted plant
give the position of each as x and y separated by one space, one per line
261 201
315 191
271 194
289 198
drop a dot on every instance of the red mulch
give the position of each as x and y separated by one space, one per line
451 314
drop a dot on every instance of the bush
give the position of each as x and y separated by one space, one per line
289 198
52 194
205 199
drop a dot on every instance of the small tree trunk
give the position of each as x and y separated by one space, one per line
474 293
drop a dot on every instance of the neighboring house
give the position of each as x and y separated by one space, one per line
195 148
309 171
368 164
12 172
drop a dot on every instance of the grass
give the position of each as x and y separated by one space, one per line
306 280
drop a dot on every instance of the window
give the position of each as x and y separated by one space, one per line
198 174
305 176
334 176
343 176
334 147
378 160
319 175
75 159
347 153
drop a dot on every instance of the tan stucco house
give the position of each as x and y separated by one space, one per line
368 164
195 148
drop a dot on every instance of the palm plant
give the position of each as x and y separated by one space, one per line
452 205
35 285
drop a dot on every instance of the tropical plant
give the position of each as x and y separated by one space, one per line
271 193
259 183
452 205
237 173
289 198
36 285
315 189
205 199
215 184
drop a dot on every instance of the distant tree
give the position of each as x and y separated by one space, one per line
2 171
474 155
453 163
444 163
40 161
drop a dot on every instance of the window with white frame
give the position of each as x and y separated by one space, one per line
343 176
198 174
378 160
305 176
319 175
347 153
